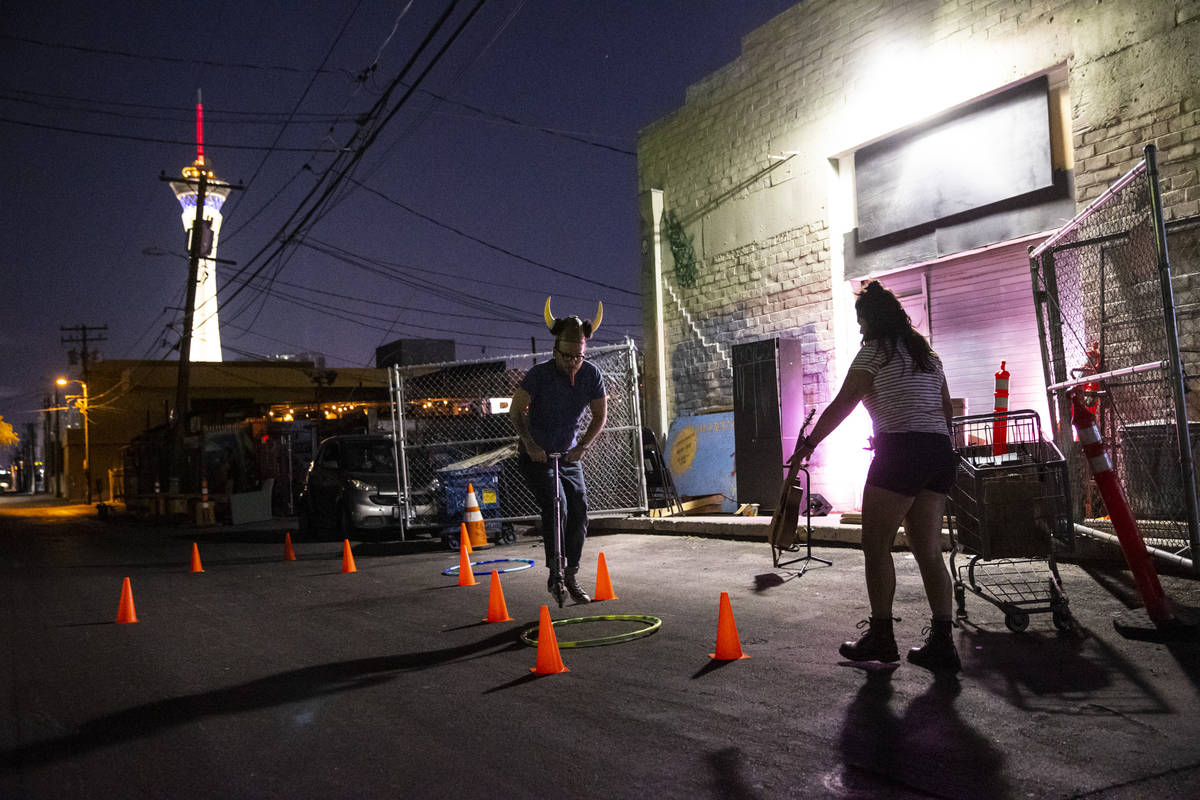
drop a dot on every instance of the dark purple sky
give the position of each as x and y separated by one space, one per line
514 179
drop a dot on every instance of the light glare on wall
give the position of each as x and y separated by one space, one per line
903 84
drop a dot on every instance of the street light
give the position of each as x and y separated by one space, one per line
87 452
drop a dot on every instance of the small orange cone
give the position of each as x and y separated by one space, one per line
465 576
347 557
196 558
604 590
473 519
288 553
125 612
729 647
497 608
463 536
549 661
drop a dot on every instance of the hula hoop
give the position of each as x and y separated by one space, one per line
652 624
525 563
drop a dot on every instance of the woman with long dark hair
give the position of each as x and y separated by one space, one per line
900 380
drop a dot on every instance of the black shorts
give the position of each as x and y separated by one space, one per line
907 463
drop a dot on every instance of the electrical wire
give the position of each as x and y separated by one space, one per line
150 139
406 268
359 151
488 244
157 58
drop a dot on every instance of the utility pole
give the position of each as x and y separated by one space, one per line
84 335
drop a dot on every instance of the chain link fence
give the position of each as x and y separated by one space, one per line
1107 323
456 430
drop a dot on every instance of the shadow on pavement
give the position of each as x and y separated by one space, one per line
147 720
925 746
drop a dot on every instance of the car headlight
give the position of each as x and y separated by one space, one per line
362 486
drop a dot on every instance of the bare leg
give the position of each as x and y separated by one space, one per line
883 510
923 526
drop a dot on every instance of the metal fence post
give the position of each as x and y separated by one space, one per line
1183 433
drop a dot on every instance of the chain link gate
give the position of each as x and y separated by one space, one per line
454 429
1102 284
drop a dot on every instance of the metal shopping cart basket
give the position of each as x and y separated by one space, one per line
1008 511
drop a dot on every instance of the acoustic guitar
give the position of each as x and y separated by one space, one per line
786 519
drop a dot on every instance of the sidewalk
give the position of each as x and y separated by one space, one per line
827 529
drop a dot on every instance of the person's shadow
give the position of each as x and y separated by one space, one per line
927 747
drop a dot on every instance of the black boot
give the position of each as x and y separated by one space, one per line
938 654
575 590
877 644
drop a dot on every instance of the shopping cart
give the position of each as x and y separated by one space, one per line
1008 511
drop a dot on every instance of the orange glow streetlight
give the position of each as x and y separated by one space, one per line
87 453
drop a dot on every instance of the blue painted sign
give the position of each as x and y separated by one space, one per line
699 453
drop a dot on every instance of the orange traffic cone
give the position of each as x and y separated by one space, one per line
473 519
549 661
729 647
125 612
604 590
196 558
497 608
465 576
347 557
288 553
463 536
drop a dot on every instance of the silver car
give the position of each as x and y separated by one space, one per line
351 485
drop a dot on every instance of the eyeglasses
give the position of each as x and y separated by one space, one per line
572 357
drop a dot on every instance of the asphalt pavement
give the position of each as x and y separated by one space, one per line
262 677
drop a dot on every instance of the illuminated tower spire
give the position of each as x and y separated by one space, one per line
206 336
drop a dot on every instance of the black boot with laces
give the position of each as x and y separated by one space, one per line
938 654
575 590
877 644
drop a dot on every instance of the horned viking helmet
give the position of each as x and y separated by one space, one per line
559 325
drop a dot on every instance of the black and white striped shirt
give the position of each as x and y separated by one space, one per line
902 399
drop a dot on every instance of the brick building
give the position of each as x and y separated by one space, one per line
926 144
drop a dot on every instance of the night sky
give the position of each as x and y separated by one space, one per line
508 174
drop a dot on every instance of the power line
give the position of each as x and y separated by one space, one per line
355 155
172 113
163 59
485 243
153 140
316 244
370 139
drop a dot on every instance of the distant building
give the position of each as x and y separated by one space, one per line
409 352
301 401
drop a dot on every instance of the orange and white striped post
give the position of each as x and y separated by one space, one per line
1158 607
1000 426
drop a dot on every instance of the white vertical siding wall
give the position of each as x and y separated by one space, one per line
982 313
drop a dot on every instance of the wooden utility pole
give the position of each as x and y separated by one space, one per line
82 338
195 246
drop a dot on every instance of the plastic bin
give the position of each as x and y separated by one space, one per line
454 482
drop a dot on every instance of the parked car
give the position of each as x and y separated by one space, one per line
351 485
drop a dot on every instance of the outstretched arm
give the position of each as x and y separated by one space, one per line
854 389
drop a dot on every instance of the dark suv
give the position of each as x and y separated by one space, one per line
351 485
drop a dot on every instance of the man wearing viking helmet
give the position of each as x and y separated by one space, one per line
546 409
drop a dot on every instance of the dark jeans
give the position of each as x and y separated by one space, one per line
573 495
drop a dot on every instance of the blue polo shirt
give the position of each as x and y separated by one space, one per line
555 405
